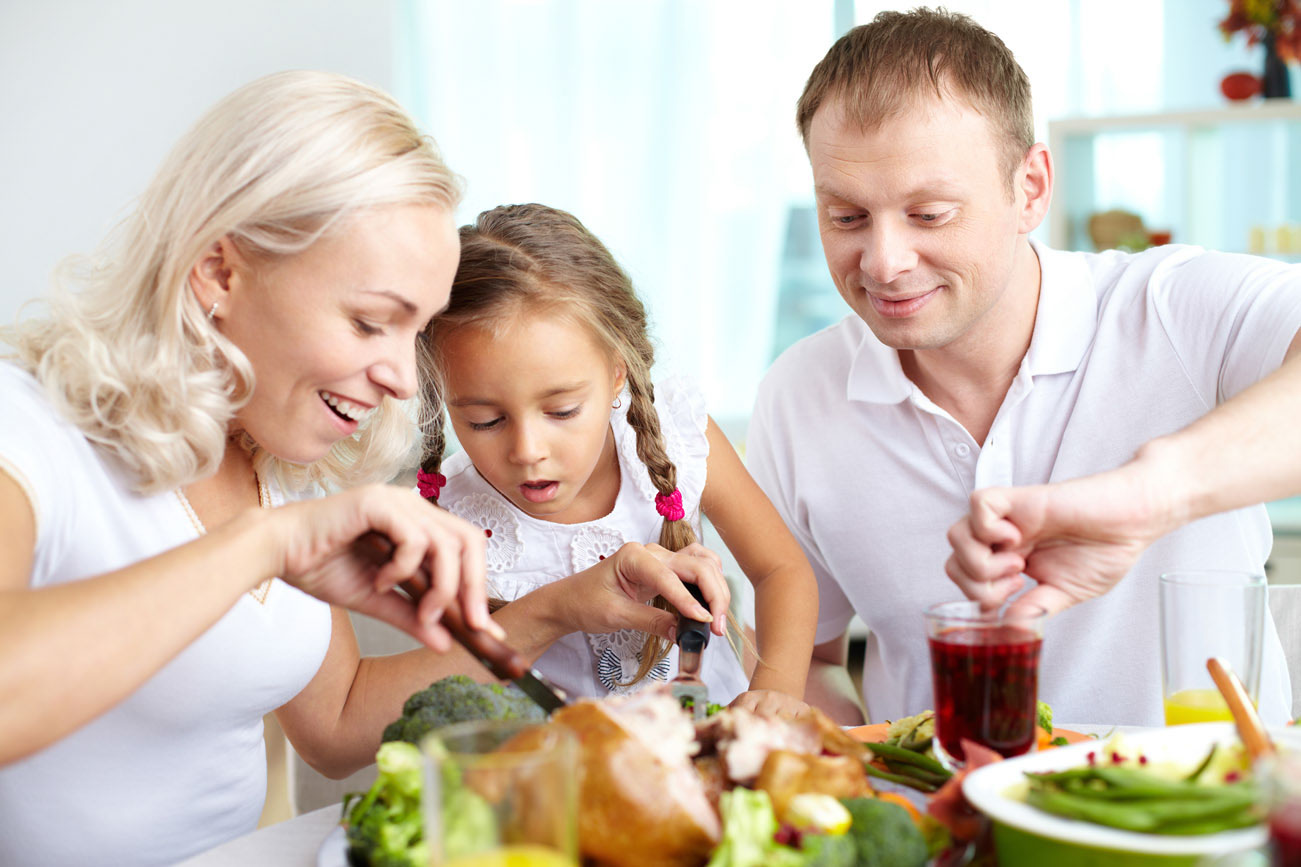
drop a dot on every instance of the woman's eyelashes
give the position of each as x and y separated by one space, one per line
366 328
560 414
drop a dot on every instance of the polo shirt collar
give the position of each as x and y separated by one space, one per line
1064 326
1068 313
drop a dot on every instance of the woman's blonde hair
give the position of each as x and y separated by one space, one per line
534 259
131 358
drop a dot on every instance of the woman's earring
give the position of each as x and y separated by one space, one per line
618 402
212 311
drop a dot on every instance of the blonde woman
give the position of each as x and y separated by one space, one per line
168 570
248 337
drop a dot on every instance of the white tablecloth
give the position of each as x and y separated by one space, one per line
296 842
292 843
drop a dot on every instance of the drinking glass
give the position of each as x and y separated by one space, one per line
501 792
1280 782
1205 614
985 667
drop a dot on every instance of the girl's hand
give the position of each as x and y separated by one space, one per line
771 703
612 595
312 543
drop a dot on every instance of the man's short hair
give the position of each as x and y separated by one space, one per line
882 69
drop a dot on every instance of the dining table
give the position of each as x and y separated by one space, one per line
302 840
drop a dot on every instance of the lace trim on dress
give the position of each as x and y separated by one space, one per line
505 545
592 544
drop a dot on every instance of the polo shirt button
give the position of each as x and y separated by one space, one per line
962 450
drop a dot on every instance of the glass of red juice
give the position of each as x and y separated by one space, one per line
985 669
1280 777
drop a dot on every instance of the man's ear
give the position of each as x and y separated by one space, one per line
1035 179
211 277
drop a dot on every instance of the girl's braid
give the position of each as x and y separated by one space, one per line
435 438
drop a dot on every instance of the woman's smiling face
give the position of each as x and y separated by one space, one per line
530 402
332 331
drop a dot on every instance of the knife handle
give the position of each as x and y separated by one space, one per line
497 656
693 635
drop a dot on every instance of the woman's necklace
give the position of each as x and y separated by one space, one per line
263 499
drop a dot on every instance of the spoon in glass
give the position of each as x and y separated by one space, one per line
1250 728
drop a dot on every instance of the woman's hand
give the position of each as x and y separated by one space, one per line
771 703
612 595
312 541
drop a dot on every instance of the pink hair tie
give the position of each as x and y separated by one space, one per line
430 484
670 506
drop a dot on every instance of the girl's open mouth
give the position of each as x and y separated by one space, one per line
539 492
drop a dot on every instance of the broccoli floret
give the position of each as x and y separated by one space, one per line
1044 716
384 824
456 699
688 703
829 850
885 835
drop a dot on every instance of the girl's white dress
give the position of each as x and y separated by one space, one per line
525 553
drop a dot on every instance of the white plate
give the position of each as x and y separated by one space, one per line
986 789
334 849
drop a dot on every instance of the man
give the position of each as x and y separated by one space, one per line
1139 397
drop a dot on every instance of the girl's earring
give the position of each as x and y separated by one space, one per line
618 402
212 311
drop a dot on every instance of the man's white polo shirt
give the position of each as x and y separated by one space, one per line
869 474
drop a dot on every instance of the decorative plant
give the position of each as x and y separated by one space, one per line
1262 20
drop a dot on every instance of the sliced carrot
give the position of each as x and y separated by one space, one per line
902 801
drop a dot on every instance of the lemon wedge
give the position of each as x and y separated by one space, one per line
817 812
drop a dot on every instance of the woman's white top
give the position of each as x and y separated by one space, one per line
179 766
525 553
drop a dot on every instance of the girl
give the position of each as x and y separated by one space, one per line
543 360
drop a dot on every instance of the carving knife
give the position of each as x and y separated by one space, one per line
498 657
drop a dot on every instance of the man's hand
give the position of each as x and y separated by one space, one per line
1075 538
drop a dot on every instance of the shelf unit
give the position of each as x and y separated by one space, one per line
1208 176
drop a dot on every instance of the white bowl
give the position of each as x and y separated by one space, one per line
1025 835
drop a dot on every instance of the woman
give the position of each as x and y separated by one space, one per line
248 340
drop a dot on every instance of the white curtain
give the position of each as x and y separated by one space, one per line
666 126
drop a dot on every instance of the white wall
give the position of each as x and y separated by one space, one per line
93 94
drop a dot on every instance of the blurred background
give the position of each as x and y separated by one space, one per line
666 125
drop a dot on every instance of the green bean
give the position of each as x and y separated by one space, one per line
1197 772
1126 783
1244 819
1150 816
906 756
911 782
917 774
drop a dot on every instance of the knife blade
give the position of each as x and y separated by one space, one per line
504 661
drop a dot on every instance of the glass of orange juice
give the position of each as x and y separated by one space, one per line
1204 614
501 793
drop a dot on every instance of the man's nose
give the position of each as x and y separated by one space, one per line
887 253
